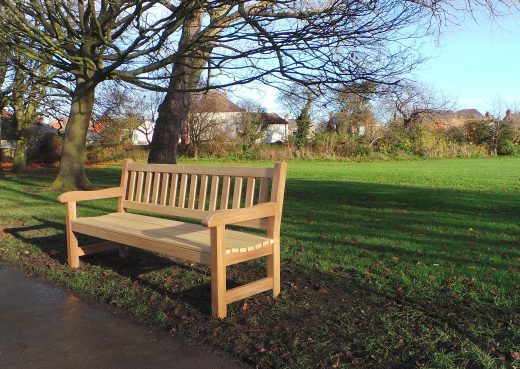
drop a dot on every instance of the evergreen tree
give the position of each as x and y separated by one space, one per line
304 124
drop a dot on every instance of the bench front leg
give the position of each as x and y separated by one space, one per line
218 273
72 241
273 260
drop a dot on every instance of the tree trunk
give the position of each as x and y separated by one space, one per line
20 155
173 110
72 174
168 127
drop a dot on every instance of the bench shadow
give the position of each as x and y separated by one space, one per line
377 220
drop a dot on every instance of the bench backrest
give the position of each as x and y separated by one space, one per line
192 191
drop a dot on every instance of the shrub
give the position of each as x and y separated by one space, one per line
507 147
97 153
457 135
330 144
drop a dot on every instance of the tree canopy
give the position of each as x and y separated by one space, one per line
181 47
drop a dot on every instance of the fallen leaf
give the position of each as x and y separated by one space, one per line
513 269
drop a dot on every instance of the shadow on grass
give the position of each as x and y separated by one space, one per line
334 313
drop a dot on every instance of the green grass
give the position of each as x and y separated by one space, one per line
385 265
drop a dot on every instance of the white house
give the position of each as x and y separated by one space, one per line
277 128
215 109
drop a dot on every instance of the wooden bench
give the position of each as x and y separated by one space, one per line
217 196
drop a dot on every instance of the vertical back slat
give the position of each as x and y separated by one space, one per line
131 190
156 184
182 191
203 191
193 191
139 189
214 193
237 193
264 190
123 185
164 188
224 198
250 192
173 189
147 187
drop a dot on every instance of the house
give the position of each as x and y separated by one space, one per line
445 119
209 109
368 127
277 128
213 110
293 128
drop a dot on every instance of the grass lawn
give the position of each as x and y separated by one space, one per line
384 265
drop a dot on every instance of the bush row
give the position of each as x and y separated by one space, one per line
392 142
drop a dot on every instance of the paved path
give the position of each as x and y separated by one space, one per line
45 327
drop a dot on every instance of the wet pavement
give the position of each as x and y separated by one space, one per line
45 327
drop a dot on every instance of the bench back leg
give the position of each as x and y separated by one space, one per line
218 273
72 241
273 268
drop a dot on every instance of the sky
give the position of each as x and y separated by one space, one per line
475 64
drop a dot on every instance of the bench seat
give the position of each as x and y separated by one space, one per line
168 237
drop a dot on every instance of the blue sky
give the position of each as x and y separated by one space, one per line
475 64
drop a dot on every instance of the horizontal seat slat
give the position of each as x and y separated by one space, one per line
202 170
143 243
190 226
173 233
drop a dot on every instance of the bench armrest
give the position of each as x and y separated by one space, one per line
90 195
232 216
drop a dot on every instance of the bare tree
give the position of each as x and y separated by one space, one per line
201 128
85 43
323 45
412 102
26 99
500 124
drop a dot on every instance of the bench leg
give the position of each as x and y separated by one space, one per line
72 250
273 268
72 241
218 274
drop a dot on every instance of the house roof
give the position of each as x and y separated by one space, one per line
469 112
214 102
273 118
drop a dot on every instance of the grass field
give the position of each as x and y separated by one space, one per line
384 265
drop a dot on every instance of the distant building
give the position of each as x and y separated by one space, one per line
215 107
277 128
293 128
445 119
